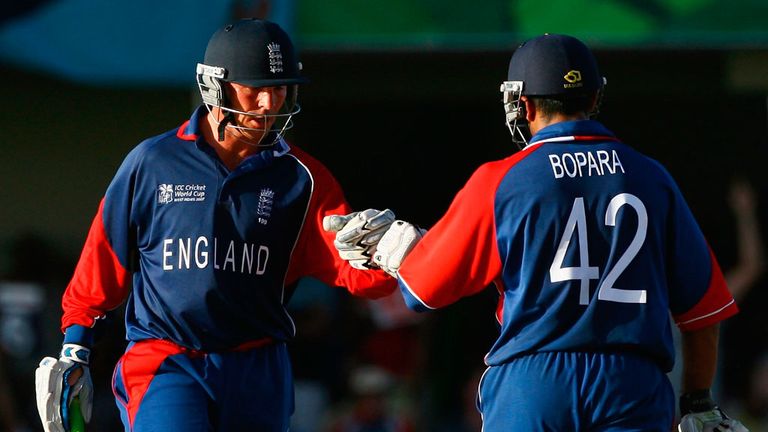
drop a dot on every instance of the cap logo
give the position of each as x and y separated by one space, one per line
275 58
573 79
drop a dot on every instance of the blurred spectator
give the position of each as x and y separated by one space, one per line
471 420
372 406
744 337
281 12
27 325
753 409
11 419
317 353
334 334
251 9
751 255
743 277
22 307
395 331
456 341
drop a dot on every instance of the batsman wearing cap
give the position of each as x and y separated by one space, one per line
590 245
203 231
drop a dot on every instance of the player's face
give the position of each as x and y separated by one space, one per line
258 101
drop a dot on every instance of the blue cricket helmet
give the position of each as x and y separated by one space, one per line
555 65
255 53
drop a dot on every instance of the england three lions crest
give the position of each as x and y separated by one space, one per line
264 208
275 58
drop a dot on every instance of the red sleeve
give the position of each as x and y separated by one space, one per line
100 282
716 305
315 254
459 256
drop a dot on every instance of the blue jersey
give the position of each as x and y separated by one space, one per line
589 243
209 251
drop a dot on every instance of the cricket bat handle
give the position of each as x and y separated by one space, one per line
76 421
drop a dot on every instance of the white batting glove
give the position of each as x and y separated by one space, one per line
395 245
54 393
701 414
710 421
358 233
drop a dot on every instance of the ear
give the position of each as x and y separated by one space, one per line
530 108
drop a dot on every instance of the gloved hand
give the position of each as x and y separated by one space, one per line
358 233
395 245
701 414
710 421
57 382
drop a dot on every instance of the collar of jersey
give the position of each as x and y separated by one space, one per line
190 131
575 130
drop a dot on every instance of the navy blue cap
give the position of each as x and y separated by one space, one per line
555 65
255 53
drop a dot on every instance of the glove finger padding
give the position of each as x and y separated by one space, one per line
358 258
731 425
362 263
48 389
334 223
710 421
365 228
358 233
395 245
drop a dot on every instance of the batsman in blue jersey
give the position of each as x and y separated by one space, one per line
591 247
203 231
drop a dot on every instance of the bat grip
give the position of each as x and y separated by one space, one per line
76 421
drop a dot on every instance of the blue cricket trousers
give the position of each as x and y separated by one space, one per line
162 387
576 392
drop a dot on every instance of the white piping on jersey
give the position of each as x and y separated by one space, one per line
301 228
480 398
707 315
555 139
413 293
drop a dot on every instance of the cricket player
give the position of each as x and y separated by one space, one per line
591 247
202 231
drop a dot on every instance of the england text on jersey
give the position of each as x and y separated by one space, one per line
580 164
186 253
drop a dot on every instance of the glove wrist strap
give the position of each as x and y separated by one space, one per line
696 401
76 353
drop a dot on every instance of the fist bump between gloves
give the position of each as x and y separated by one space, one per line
395 245
373 239
358 233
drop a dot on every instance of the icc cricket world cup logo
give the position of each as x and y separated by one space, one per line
165 193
